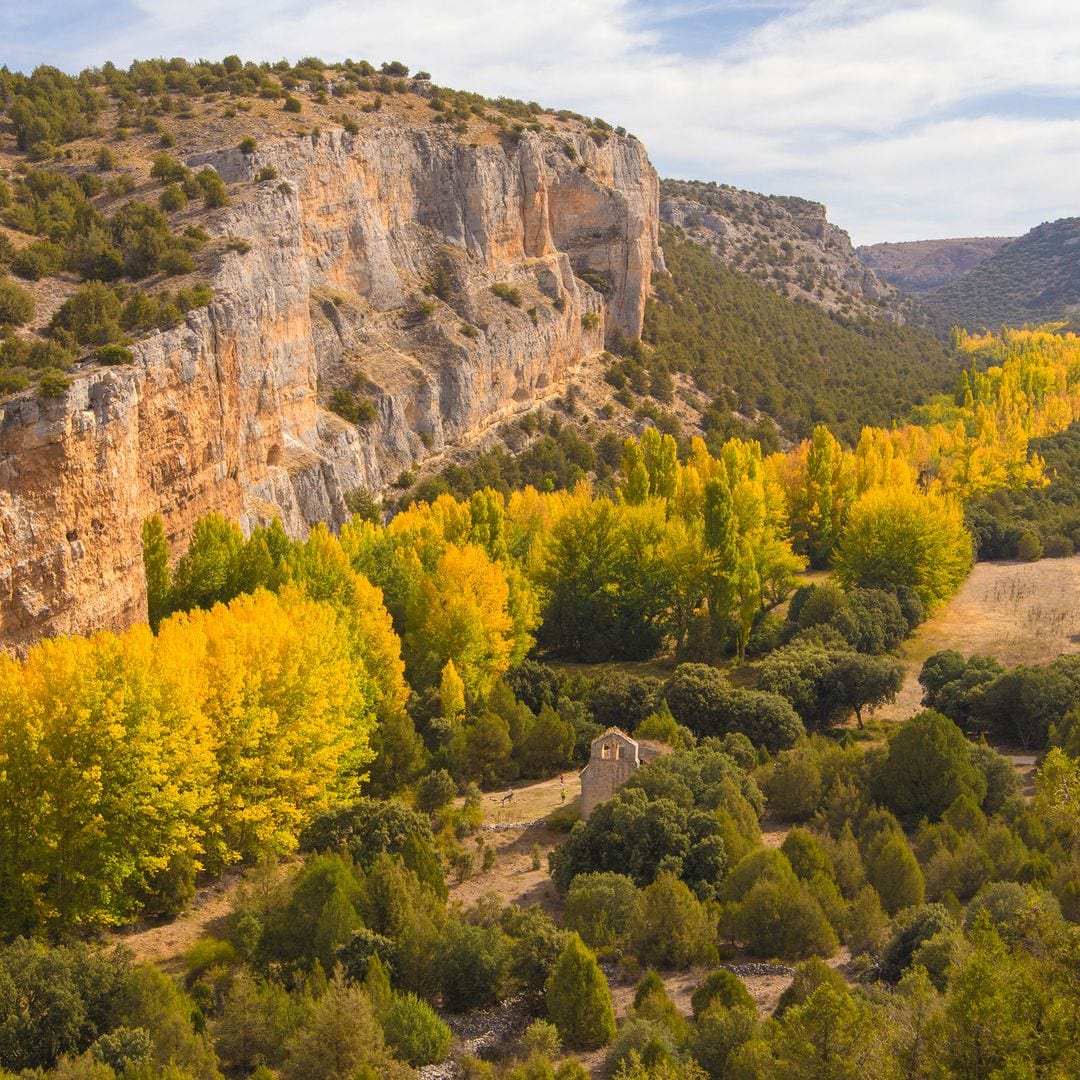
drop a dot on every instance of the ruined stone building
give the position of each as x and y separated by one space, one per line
612 761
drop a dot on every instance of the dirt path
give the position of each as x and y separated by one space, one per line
1018 613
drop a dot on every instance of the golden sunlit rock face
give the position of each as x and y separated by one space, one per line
228 412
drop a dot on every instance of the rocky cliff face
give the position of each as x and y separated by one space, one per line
228 412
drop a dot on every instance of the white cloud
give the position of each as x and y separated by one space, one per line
860 103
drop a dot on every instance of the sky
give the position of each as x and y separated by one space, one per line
909 119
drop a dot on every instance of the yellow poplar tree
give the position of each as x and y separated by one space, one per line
897 539
106 773
292 724
461 613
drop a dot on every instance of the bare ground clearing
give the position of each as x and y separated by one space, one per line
512 830
166 943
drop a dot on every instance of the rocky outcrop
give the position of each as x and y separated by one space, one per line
787 243
228 412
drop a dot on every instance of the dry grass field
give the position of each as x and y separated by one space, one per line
1018 613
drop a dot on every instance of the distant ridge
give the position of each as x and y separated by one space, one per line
788 244
919 266
1034 279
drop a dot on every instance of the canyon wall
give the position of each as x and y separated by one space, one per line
366 267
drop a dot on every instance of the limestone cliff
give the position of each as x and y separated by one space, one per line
228 411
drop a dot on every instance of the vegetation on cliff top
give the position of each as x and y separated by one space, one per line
93 185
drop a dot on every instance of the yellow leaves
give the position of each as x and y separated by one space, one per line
289 703
904 539
462 613
230 729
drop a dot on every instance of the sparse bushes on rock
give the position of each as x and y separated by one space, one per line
510 293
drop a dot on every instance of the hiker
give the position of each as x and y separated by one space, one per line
562 795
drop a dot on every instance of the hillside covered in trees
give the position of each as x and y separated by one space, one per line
1035 279
759 353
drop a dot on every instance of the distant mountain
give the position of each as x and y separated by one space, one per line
786 243
1032 280
920 266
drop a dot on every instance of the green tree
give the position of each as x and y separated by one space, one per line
992 1011
155 553
415 1032
722 987
600 907
1023 703
894 872
718 1035
1002 780
604 580
809 975
867 923
341 1041
16 304
151 1000
255 1022
535 945
927 767
319 915
399 753
370 829
548 746
833 1035
434 791
671 927
472 966
782 918
802 673
482 750
635 834
578 999
858 682
73 990
209 572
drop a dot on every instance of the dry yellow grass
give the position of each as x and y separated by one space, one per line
1018 613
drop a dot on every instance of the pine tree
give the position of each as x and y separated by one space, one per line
578 999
